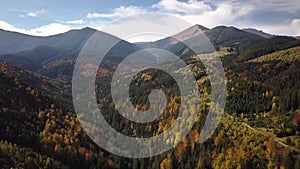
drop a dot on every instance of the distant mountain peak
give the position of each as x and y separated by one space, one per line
190 32
225 28
88 29
221 27
85 29
203 28
258 32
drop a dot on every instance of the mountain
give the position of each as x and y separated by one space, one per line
16 42
191 32
251 50
260 127
219 37
55 56
229 36
258 32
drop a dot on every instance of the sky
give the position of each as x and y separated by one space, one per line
49 17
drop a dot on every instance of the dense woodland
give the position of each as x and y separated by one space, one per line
260 127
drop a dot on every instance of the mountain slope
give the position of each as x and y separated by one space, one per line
14 156
13 42
31 59
250 50
283 55
37 123
21 103
54 90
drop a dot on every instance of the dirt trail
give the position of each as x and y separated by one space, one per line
268 134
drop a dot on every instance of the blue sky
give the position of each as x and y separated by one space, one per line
48 17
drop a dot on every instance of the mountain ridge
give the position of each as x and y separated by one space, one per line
54 56
16 42
75 38
258 32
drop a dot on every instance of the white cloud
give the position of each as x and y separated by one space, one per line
152 27
289 28
233 12
199 12
295 26
6 26
228 12
46 30
296 23
193 11
290 6
145 37
50 29
190 7
118 12
32 13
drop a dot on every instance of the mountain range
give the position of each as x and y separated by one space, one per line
54 56
260 127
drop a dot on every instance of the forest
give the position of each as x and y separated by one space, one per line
260 127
